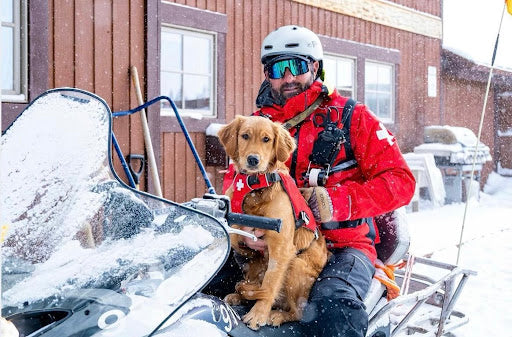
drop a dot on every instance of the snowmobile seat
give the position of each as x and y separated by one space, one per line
393 246
394 237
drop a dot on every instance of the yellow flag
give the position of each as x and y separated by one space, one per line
3 233
509 6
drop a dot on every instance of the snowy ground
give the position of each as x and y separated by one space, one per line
487 249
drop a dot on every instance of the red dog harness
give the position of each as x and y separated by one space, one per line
244 184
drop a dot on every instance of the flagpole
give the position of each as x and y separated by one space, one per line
468 194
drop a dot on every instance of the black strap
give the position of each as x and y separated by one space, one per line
332 225
293 166
346 224
271 178
329 148
348 109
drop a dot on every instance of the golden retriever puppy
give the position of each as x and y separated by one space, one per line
279 278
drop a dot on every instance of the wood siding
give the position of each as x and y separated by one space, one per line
462 96
463 102
92 45
503 122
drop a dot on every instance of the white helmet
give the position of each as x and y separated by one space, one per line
291 40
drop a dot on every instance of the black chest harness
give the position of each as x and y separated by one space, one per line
325 150
328 145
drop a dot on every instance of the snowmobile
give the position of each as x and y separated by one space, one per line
87 255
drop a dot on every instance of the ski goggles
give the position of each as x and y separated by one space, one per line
296 66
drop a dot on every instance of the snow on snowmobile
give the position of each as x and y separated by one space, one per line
87 255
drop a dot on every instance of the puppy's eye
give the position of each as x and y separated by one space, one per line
266 139
245 136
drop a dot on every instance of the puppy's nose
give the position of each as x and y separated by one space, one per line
253 160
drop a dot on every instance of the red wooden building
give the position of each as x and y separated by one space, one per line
205 55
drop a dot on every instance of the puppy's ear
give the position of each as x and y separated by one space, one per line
228 136
284 143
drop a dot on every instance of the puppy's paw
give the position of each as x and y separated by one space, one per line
257 316
233 299
276 318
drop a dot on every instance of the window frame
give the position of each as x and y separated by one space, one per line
37 58
336 57
362 52
391 118
20 54
212 36
166 13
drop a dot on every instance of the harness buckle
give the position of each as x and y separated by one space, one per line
304 218
317 176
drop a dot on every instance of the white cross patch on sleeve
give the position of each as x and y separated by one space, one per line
383 133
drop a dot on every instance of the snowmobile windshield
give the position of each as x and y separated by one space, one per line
75 235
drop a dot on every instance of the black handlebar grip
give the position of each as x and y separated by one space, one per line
254 221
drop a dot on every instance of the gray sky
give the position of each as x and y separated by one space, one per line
470 28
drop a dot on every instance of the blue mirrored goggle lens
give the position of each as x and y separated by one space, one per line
297 67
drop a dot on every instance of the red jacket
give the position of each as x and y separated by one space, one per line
381 181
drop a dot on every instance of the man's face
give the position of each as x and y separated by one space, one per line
290 85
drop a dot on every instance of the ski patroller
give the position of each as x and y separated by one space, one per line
87 268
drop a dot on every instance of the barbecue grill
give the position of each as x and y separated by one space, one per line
454 151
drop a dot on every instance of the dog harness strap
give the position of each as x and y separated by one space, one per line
303 214
243 184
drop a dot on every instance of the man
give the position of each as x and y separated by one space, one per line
349 168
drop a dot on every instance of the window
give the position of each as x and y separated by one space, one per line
372 70
13 56
340 72
379 90
186 60
187 71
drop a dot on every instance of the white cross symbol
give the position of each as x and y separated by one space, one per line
239 184
383 133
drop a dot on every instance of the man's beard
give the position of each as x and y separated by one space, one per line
280 97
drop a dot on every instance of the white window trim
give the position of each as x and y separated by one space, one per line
20 92
354 71
196 113
391 119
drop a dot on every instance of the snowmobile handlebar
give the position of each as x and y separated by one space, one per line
218 206
254 221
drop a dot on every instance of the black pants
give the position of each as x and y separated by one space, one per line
335 306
